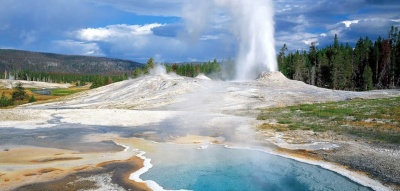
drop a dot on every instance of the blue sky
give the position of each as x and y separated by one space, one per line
138 29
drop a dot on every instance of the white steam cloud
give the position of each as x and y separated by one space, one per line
158 69
251 22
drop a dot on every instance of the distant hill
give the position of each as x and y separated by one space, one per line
12 60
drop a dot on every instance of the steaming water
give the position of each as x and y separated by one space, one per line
254 28
219 168
251 22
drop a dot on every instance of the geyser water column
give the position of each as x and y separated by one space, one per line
254 28
251 22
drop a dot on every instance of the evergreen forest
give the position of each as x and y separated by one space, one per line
368 65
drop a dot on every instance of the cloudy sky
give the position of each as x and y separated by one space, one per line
139 29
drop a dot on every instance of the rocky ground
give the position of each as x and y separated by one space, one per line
377 160
172 93
168 108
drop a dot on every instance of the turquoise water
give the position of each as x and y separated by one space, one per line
219 168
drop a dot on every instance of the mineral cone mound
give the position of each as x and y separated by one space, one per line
271 76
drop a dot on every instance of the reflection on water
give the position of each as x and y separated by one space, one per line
219 168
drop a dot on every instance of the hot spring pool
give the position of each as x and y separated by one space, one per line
219 168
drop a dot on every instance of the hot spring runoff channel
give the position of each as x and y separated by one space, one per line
220 168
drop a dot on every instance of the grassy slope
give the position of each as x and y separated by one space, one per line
376 120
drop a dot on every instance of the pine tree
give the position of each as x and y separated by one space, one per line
393 59
367 78
19 93
299 66
312 56
4 101
32 99
397 63
289 66
98 81
215 66
138 72
149 65
336 63
323 71
347 67
358 62
374 64
281 60
384 65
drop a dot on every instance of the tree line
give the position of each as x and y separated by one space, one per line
368 65
193 70
185 69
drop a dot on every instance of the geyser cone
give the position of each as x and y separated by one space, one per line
271 76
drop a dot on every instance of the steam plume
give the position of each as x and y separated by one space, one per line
251 23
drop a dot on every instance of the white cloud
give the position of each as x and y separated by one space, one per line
138 42
115 31
91 34
297 41
351 30
348 23
211 37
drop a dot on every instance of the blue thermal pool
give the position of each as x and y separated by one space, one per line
220 168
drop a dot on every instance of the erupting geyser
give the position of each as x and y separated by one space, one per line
251 21
254 27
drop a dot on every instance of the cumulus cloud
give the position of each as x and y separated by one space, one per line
139 42
115 31
348 23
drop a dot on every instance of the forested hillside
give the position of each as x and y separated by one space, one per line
366 66
17 60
